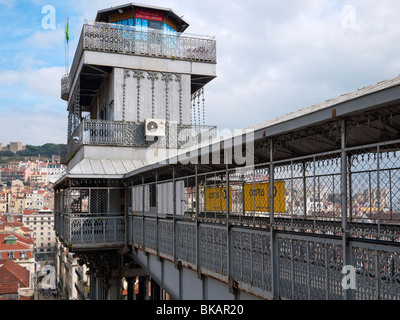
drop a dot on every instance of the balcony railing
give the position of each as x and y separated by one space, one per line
132 134
91 231
90 217
107 37
65 87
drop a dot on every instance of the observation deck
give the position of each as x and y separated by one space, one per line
130 40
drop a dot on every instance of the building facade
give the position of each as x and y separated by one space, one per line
42 224
73 280
132 100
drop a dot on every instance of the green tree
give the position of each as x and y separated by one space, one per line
7 154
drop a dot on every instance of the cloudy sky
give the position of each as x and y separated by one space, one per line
274 57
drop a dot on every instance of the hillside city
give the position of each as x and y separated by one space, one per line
27 237
28 244
30 252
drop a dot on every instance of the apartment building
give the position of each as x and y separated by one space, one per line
39 178
35 199
42 224
9 174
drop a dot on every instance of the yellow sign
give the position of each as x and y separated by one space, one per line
216 199
256 197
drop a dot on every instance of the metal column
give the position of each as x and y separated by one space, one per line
347 258
274 243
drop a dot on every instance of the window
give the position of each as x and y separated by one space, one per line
155 24
11 255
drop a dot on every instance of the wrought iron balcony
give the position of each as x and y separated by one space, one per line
132 134
65 87
90 217
93 232
108 37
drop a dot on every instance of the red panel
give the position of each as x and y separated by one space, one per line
149 15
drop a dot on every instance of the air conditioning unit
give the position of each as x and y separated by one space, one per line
154 128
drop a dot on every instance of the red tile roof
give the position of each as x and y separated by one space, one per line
7 288
12 272
21 245
29 211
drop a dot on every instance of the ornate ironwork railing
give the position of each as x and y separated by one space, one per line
310 267
107 37
90 216
65 87
222 224
91 231
120 133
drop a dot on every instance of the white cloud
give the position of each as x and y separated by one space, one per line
31 108
36 125
8 3
9 77
49 83
46 39
274 61
44 82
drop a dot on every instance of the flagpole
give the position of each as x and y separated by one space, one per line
65 40
67 44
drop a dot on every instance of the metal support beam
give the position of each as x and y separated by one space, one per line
347 255
304 190
157 221
143 206
228 232
274 244
155 290
174 217
378 188
196 167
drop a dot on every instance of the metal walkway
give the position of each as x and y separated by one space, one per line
302 207
275 229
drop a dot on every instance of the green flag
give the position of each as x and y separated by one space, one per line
67 31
